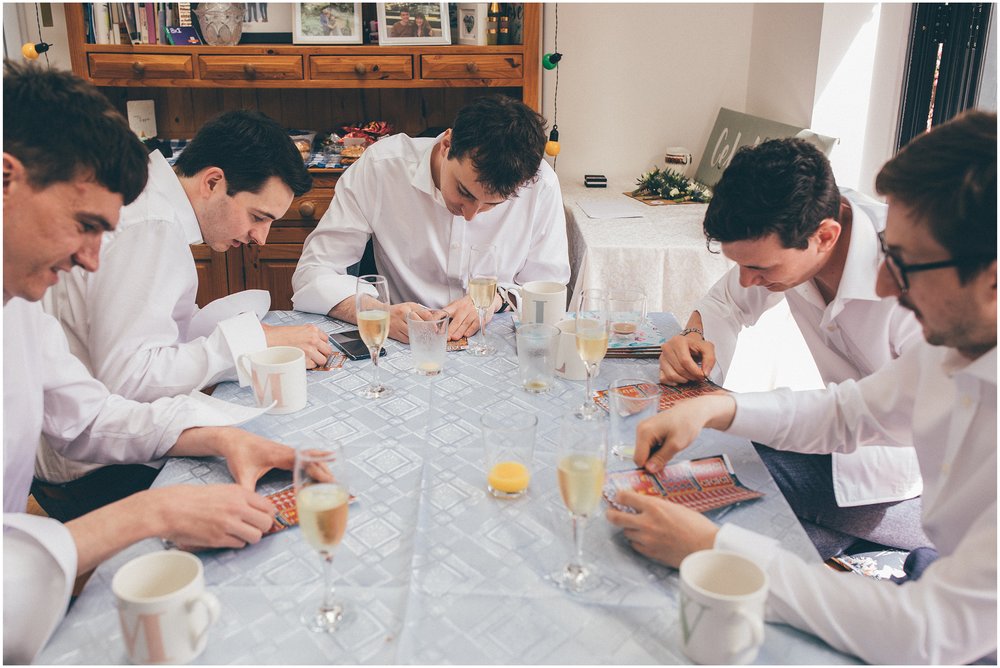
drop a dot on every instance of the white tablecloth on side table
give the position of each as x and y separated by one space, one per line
663 251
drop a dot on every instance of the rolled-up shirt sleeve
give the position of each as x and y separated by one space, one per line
39 568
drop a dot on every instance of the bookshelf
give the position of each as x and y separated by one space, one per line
308 87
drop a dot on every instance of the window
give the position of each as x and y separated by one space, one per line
947 46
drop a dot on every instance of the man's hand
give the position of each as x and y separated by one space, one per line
249 456
465 317
677 359
673 430
662 530
399 329
199 516
313 341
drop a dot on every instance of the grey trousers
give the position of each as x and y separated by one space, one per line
807 483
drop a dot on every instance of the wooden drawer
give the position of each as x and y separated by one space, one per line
361 68
250 68
139 66
310 207
499 66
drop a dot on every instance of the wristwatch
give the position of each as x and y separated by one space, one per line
693 330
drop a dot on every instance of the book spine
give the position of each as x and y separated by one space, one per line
102 23
151 22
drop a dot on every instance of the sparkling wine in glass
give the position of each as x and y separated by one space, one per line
580 459
592 328
372 303
321 499
481 283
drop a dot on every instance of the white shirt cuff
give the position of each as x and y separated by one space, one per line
243 334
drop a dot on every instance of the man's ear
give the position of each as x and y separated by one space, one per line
211 180
827 234
13 171
446 144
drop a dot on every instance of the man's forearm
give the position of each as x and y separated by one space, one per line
345 311
102 533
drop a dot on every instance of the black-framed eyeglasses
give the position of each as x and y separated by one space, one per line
899 270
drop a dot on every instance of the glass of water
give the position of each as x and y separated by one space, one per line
536 356
428 332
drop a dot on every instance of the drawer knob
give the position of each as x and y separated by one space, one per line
472 67
139 69
359 69
249 71
307 209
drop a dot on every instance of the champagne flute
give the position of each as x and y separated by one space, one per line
373 325
321 500
580 458
481 276
592 327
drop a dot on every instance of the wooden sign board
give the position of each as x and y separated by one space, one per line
733 130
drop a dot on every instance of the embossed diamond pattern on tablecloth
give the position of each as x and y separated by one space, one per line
434 569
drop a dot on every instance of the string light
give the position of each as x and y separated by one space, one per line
551 61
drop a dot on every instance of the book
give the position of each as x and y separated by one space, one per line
701 484
128 15
182 36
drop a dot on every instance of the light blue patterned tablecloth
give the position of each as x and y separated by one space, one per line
435 570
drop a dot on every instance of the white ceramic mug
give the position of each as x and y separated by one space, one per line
278 375
540 302
722 607
568 362
164 609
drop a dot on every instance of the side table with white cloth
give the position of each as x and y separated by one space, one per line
432 568
660 249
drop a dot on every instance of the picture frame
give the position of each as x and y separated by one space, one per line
326 23
267 23
472 18
397 29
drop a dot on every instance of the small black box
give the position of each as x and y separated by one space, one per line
595 181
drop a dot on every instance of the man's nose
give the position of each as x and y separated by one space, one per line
748 277
470 209
89 254
258 235
885 284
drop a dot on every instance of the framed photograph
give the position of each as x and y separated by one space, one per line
267 23
413 23
326 23
472 23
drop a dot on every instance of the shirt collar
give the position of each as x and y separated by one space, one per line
863 257
163 178
422 178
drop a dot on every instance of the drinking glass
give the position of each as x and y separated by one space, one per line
592 325
509 444
481 277
626 310
373 325
321 499
630 401
580 466
536 356
428 331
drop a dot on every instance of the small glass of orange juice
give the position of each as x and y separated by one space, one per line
509 444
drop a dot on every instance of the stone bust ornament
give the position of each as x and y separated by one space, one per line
221 22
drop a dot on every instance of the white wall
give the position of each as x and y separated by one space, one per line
20 25
637 78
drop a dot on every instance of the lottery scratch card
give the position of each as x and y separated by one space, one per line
672 395
700 484
334 361
460 344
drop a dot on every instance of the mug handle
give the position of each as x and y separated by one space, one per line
212 607
756 629
511 291
243 361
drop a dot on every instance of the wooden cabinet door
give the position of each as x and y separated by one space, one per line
270 268
213 273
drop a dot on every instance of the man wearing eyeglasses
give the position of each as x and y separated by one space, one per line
795 236
940 397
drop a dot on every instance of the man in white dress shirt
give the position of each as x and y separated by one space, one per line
69 163
795 236
940 396
131 322
424 202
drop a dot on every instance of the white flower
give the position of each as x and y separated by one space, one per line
674 192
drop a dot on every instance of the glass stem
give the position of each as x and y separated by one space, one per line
374 351
328 588
590 373
482 326
578 526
